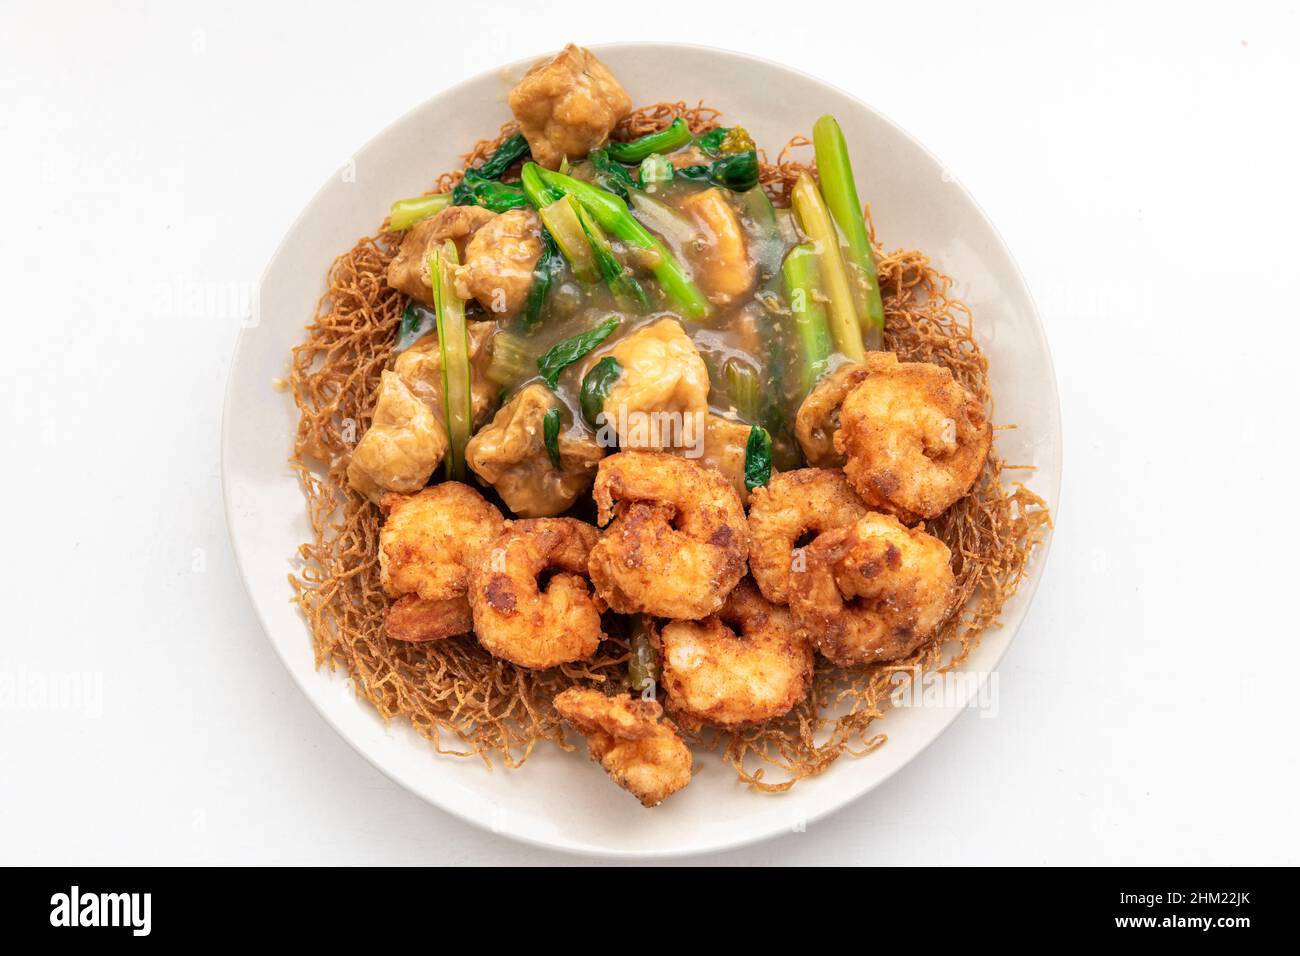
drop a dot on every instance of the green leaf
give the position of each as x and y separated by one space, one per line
514 148
609 174
595 388
758 458
551 435
417 322
563 354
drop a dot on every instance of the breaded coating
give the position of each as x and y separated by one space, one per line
757 668
662 396
818 418
520 622
499 261
412 618
403 445
914 439
678 540
409 270
723 268
427 547
640 753
420 368
873 591
786 509
567 106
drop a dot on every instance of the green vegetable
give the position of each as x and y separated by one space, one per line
664 219
595 388
656 168
758 458
841 193
817 226
742 387
511 360
609 174
538 193
801 279
564 353
551 435
514 148
675 136
561 220
417 322
544 273
476 190
453 342
737 172
613 215
642 660
620 281
405 213
725 140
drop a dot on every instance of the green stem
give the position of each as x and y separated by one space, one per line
800 275
405 213
815 220
675 136
835 171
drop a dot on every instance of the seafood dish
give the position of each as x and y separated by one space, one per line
629 439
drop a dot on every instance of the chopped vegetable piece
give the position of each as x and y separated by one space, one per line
595 388
562 222
656 168
405 213
664 219
511 363
725 140
742 387
453 342
512 149
620 281
817 225
737 172
551 435
841 193
676 135
613 215
563 354
801 279
544 273
758 458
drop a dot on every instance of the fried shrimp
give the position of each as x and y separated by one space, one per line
914 439
753 670
873 591
641 754
678 541
790 506
520 620
427 546
818 418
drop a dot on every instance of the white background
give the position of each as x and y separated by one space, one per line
1141 163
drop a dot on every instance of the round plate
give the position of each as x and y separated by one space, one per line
557 799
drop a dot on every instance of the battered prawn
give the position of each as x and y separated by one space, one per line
520 620
914 439
640 753
873 591
678 541
753 670
781 513
818 418
427 546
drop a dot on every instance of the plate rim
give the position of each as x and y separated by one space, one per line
1029 587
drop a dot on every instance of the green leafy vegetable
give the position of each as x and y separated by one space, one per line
613 215
417 322
564 353
511 361
801 279
562 222
476 190
595 388
676 135
619 279
758 458
742 387
544 273
725 140
835 172
609 174
405 213
513 149
656 169
551 435
737 172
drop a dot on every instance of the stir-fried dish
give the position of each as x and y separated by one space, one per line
626 429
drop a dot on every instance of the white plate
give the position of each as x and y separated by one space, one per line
563 800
